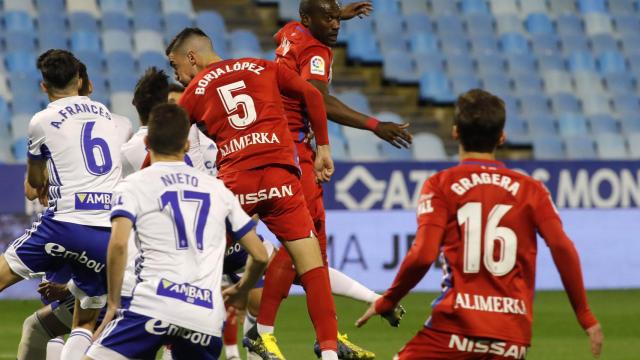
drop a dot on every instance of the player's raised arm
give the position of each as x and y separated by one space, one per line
359 8
292 85
567 262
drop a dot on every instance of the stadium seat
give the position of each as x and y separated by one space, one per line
500 7
533 7
17 21
88 6
464 83
355 100
177 6
626 23
568 24
147 20
534 104
597 24
146 5
580 148
20 121
459 65
363 148
435 86
390 42
527 84
490 63
626 103
474 7
429 62
587 82
513 43
479 24
516 129
82 21
5 93
424 44
551 62
601 43
581 61
428 147
611 62
603 124
611 146
339 149
630 42
621 6
121 103
115 21
20 62
19 148
117 6
559 7
572 124
411 7
417 23
48 40
121 82
539 23
52 24
484 44
388 27
592 6
244 39
548 148
146 40
19 41
449 25
562 103
175 22
521 64
455 45
19 5
92 59
634 144
288 10
595 104
399 67
509 24
121 61
574 43
510 104
629 122
556 81
211 22
497 83
116 40
85 41
541 125
362 46
390 152
5 114
545 44
443 7
152 58
619 83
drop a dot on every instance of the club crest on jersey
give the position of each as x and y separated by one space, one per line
93 201
186 292
317 65
424 204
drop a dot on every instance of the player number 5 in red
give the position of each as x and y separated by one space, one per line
470 220
232 105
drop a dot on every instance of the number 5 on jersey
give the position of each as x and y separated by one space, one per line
470 215
232 104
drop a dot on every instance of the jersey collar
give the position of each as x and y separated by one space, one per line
67 100
482 162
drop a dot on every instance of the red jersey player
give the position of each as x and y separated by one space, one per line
483 219
305 47
237 103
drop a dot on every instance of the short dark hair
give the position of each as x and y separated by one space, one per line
175 87
480 117
168 129
306 7
58 68
182 36
152 89
84 76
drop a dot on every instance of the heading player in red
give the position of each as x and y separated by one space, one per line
305 47
483 218
237 103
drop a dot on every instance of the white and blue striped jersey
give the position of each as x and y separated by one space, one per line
80 141
181 217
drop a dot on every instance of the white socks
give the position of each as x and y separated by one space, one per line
166 354
264 329
343 285
77 344
329 355
231 351
54 348
249 321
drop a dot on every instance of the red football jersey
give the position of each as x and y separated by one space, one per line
299 51
238 104
490 215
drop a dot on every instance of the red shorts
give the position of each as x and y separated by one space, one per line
275 194
313 193
434 345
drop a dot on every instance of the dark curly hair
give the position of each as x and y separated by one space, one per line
152 89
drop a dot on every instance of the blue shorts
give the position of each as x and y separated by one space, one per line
50 246
135 336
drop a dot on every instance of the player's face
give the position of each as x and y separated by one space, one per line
174 97
182 67
324 22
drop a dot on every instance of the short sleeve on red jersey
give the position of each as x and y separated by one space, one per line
315 63
545 209
432 205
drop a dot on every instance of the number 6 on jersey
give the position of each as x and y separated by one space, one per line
470 215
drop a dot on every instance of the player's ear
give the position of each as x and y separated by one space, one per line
304 20
90 87
187 144
454 132
191 56
503 138
43 87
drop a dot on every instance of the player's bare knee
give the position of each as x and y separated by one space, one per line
7 276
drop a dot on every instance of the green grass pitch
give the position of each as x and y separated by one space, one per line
556 332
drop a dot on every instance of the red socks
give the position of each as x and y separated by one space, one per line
278 280
321 307
230 332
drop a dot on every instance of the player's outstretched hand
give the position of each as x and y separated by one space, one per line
52 291
234 296
109 315
324 163
395 134
596 337
360 9
371 312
